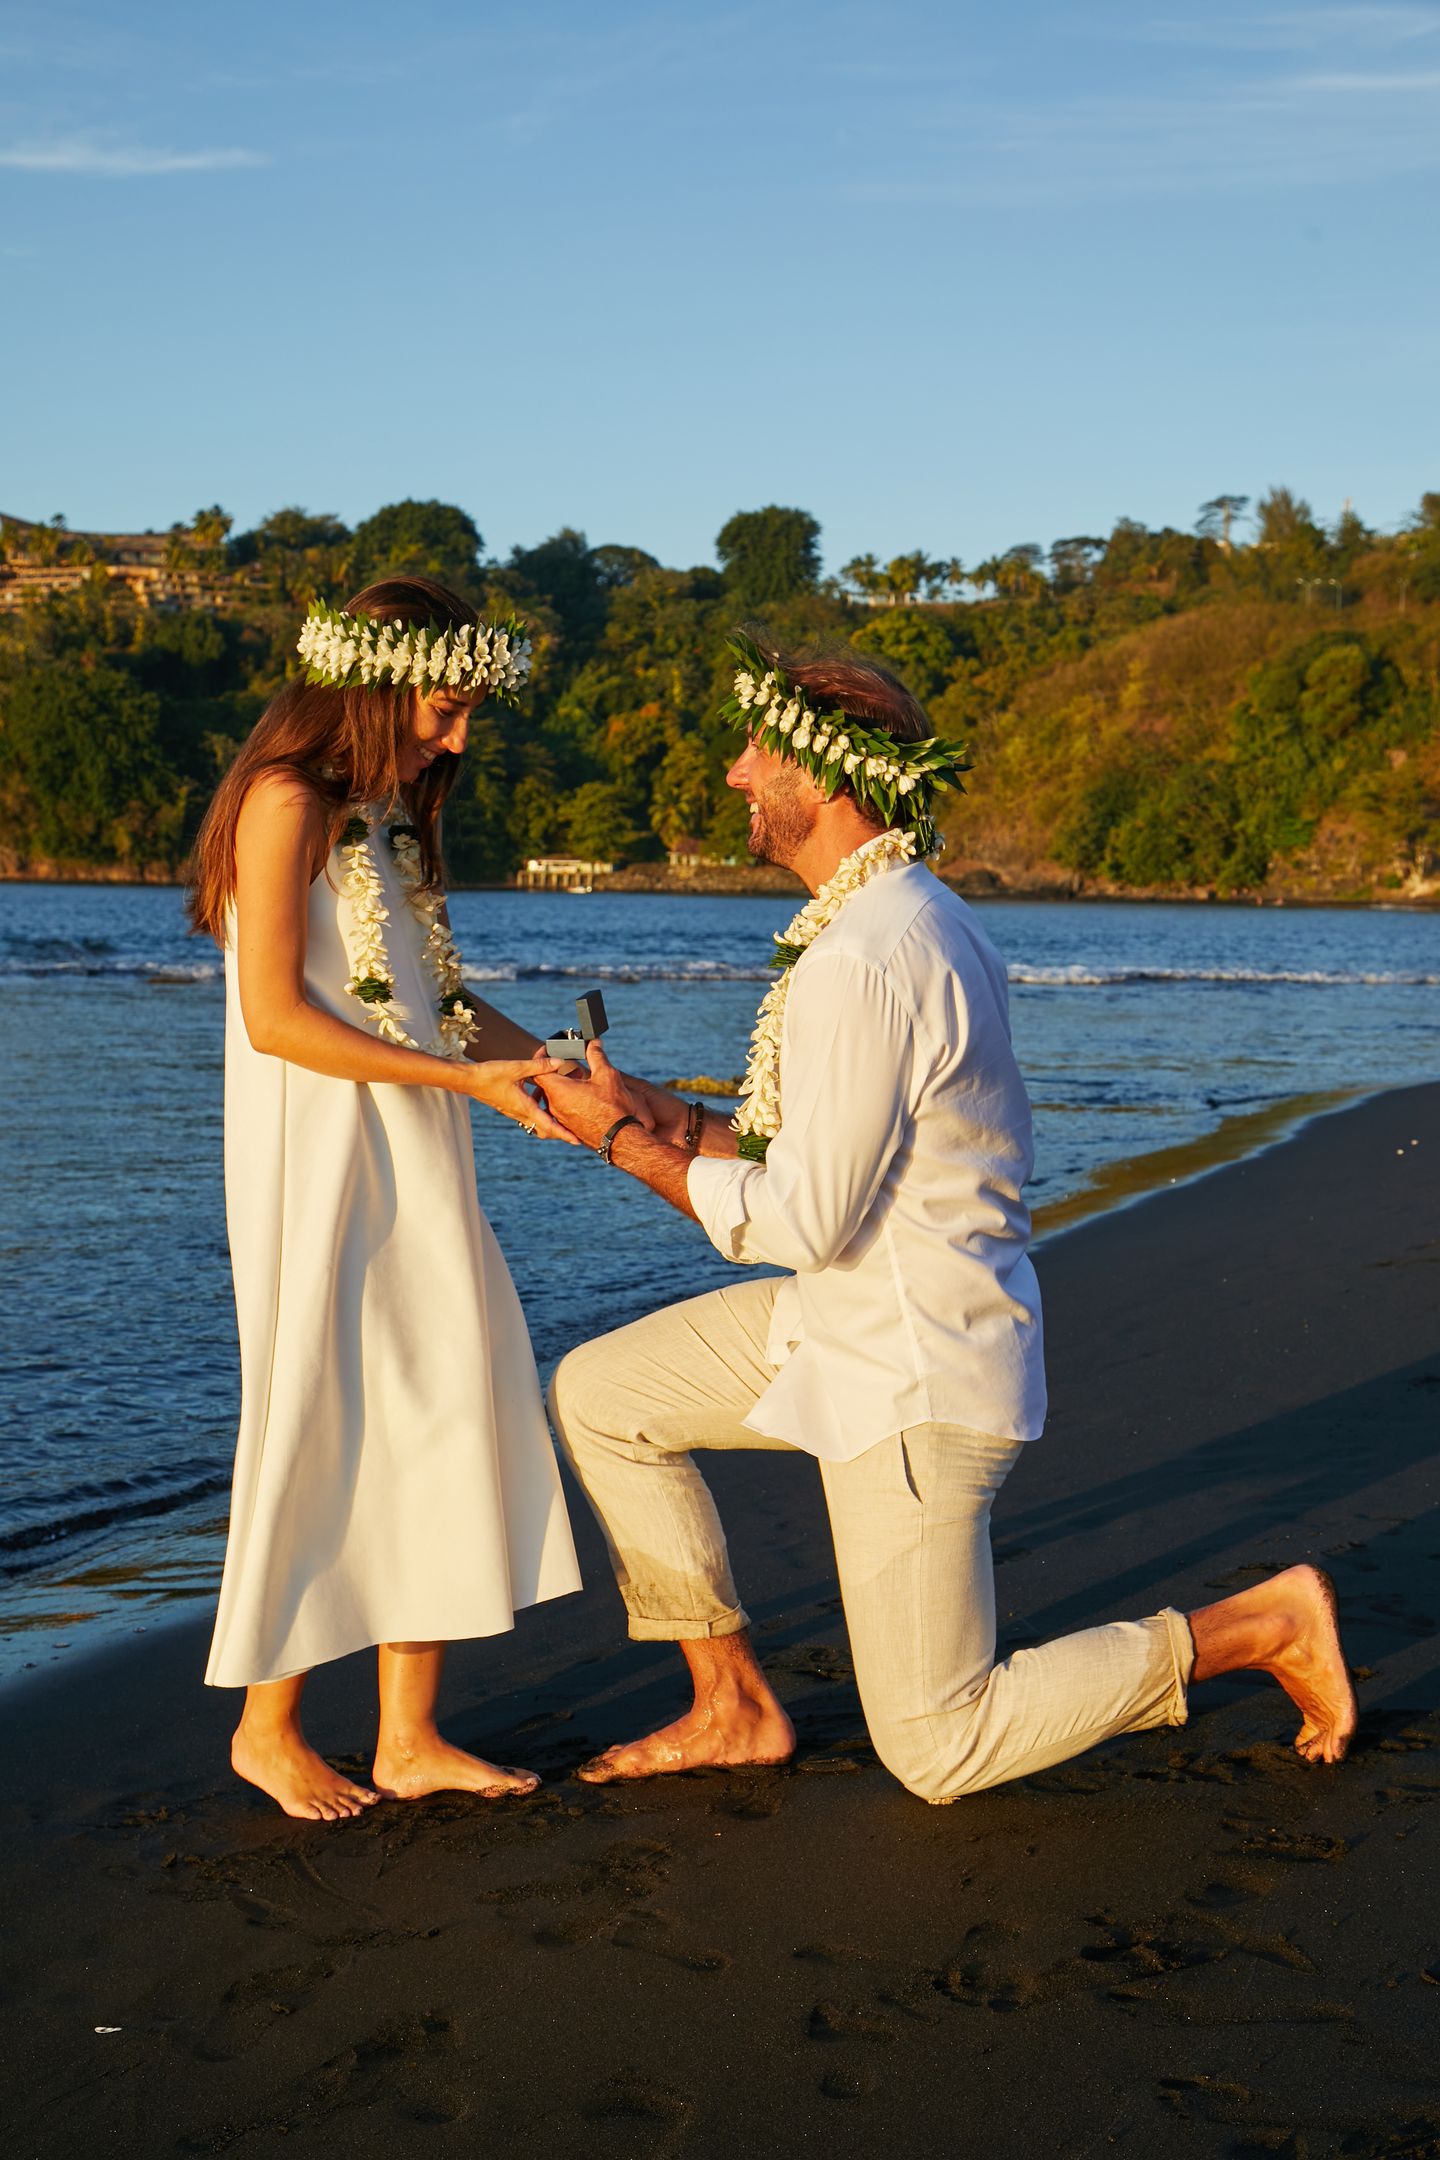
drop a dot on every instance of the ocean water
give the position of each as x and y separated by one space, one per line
1139 1029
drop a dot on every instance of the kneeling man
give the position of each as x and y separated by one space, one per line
880 1154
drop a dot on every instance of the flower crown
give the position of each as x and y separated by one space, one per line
345 651
837 752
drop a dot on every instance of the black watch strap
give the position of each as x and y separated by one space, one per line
603 1151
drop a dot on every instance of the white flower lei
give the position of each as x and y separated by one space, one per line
758 1119
345 651
371 979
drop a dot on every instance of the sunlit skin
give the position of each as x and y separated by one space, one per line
439 723
1285 1627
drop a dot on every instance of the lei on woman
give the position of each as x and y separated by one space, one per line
371 978
895 779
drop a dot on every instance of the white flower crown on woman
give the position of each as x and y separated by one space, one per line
350 651
896 779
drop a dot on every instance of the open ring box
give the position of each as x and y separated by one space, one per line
570 1044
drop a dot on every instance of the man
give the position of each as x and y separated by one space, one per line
883 1149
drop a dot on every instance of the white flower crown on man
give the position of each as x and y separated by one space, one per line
897 780
351 651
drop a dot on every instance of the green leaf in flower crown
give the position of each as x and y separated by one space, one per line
353 831
752 1146
373 990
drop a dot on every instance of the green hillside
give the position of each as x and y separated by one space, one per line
1150 712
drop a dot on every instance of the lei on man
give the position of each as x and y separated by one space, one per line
897 780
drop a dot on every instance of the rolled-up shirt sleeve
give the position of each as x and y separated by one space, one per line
847 1066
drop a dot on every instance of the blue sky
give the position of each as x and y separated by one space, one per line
945 277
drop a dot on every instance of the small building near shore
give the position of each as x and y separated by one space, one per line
561 873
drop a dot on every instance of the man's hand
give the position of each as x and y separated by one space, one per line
589 1107
661 1108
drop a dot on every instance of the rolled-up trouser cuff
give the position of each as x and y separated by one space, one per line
1182 1658
643 1629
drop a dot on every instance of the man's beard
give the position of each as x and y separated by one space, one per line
783 823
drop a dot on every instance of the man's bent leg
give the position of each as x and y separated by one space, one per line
911 1520
629 1409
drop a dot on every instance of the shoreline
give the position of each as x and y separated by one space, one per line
1184 1943
779 884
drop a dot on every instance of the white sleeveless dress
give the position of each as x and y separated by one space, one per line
394 1476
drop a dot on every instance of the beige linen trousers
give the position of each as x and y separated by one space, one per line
911 1523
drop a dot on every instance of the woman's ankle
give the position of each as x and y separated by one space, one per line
411 1738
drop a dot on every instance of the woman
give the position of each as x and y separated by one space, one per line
394 1479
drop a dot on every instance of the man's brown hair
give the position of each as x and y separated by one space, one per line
836 678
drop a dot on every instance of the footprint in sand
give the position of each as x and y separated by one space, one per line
1303 1846
635 2117
831 2021
252 2005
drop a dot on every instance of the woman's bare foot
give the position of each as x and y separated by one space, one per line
736 1719
1288 1627
409 1766
281 1761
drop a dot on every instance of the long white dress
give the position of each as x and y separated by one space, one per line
394 1475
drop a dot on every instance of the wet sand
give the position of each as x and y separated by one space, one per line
1185 1943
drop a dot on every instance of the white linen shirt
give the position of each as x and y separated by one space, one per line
893 1189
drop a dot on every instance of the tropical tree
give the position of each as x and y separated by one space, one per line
83 768
680 796
418 539
299 556
1217 519
769 555
600 822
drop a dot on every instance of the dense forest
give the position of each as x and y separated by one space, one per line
1250 707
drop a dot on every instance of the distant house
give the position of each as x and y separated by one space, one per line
38 560
560 873
687 853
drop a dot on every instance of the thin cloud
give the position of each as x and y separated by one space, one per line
95 161
1298 31
1427 79
1244 140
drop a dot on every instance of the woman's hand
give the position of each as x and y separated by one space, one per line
500 1084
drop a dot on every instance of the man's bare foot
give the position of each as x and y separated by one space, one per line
281 1761
1288 1627
409 1768
749 1733
736 1719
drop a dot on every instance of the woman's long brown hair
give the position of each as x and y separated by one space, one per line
344 745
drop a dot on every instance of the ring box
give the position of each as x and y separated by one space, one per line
570 1043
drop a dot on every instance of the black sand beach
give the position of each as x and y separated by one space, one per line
1186 1943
